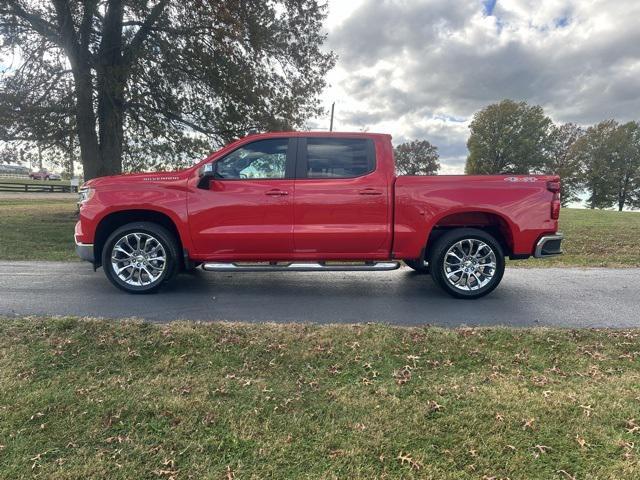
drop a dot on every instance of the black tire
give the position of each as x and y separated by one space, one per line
420 266
165 238
448 241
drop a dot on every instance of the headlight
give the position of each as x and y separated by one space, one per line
85 195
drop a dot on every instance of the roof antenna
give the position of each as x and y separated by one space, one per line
333 106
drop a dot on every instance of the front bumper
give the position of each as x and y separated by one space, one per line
549 245
85 251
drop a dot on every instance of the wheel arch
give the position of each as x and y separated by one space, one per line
110 222
492 222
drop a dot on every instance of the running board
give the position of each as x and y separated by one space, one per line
301 267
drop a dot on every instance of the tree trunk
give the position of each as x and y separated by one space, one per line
110 118
622 197
86 121
71 157
79 58
112 76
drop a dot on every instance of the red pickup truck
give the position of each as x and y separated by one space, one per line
300 201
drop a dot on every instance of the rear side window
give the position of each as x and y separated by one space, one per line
339 157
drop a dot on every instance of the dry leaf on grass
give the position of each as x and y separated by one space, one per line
632 426
586 409
581 441
567 475
407 459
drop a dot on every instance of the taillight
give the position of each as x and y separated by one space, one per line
555 207
554 187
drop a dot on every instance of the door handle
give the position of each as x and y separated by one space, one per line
276 193
370 191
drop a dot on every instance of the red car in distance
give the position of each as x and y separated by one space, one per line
44 175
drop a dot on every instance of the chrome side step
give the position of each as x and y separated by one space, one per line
300 266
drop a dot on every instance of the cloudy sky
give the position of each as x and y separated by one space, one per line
419 69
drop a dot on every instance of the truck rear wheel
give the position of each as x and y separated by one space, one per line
467 263
139 257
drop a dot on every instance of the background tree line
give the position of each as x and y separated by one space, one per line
602 160
139 84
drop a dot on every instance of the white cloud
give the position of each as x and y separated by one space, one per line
421 68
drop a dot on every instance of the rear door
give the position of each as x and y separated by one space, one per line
247 211
341 208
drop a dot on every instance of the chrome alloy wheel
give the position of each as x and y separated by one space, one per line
138 259
469 264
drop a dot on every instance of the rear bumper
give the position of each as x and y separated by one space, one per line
85 251
549 245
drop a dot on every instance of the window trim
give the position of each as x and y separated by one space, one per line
302 163
289 168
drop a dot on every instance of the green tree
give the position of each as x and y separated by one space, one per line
597 153
36 114
563 161
8 154
418 157
626 171
609 154
508 137
163 81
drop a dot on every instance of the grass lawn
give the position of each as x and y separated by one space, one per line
38 229
42 229
97 399
596 238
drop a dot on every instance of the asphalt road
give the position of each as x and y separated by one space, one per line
526 297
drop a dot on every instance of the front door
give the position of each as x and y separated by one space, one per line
341 203
247 211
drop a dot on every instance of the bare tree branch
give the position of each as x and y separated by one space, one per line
131 51
39 24
85 30
67 30
178 118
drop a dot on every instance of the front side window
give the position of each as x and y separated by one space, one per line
339 157
264 159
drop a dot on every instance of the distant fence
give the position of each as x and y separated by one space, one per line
14 175
36 188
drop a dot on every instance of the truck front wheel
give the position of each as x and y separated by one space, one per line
467 263
139 257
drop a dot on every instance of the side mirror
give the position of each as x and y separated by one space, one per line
206 174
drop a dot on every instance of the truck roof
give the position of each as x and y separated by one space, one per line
318 134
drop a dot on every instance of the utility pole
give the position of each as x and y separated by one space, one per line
333 106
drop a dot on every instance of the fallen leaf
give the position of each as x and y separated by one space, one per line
581 441
567 474
406 458
542 448
586 409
